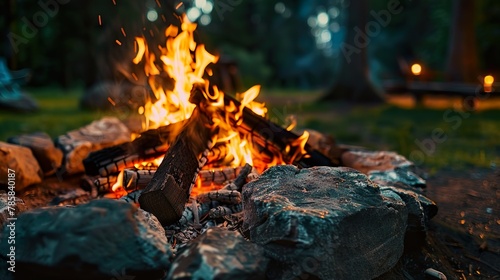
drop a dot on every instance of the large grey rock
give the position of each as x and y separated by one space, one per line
97 240
220 254
326 222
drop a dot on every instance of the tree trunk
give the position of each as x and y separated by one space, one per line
462 55
353 83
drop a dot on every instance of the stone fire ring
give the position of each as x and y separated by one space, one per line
331 223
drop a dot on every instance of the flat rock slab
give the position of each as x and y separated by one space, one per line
99 240
220 254
366 161
78 144
20 160
41 145
331 223
384 167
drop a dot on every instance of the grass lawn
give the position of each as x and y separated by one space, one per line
58 114
433 138
461 139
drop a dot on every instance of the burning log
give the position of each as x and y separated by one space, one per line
148 146
134 179
104 184
238 183
138 179
169 190
266 134
218 176
223 196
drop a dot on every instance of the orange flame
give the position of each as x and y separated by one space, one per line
185 63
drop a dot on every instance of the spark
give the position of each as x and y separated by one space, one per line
111 101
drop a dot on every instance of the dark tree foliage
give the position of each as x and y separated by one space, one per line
275 49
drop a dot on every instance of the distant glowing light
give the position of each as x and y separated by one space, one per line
193 14
205 19
152 15
312 22
323 19
335 27
325 36
416 69
279 8
200 3
334 12
208 7
488 80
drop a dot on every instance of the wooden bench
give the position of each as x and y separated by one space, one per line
418 89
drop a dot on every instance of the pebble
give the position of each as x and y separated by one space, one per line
435 274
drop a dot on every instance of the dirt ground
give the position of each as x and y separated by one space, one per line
464 238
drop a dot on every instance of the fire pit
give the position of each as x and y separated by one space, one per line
210 188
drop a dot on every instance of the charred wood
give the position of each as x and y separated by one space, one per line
170 187
148 146
265 133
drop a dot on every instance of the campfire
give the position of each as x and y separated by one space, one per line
208 166
211 134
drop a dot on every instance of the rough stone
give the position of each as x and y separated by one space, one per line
78 144
420 208
384 167
41 145
366 161
98 240
326 222
220 254
20 160
400 176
